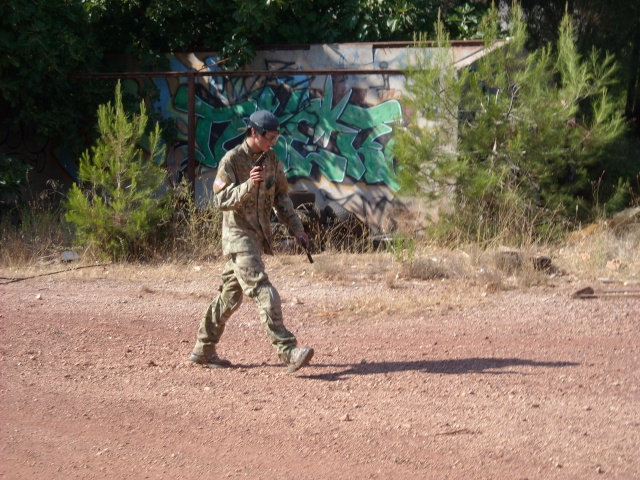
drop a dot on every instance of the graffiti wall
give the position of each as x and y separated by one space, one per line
336 128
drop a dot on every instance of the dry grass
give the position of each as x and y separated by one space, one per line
410 275
612 255
33 246
471 272
35 232
370 285
353 266
195 230
373 284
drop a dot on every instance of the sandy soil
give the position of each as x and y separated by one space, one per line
411 379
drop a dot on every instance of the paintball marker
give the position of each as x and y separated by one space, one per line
260 161
304 243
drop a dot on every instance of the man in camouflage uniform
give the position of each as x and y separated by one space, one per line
247 194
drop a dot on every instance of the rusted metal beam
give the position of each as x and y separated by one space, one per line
374 45
244 73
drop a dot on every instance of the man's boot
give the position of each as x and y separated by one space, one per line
210 361
299 358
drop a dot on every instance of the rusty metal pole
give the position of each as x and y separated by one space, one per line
191 131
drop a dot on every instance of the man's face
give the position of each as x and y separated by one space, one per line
267 140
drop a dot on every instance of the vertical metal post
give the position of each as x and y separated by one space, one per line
191 130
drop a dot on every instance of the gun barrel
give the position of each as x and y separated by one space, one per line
306 248
260 161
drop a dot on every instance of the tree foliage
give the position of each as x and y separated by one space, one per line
13 175
464 21
41 43
151 27
119 206
612 26
44 43
520 132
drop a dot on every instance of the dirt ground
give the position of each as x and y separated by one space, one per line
411 378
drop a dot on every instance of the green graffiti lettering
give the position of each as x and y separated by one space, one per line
331 165
297 165
231 117
329 117
361 136
383 113
355 167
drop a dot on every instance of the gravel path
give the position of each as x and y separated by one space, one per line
411 379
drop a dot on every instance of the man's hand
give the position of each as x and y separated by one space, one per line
302 238
257 176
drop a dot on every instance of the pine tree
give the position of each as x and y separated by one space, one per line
119 206
513 143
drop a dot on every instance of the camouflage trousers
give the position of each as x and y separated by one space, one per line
244 274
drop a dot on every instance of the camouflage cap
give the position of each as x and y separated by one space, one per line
264 121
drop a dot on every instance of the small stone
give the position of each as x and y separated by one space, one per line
69 256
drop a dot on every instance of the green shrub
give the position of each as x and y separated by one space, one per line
119 208
402 248
514 141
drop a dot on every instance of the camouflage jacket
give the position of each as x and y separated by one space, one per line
246 217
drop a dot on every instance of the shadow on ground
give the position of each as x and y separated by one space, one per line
493 366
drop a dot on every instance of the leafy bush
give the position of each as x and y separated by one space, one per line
516 141
42 44
119 207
